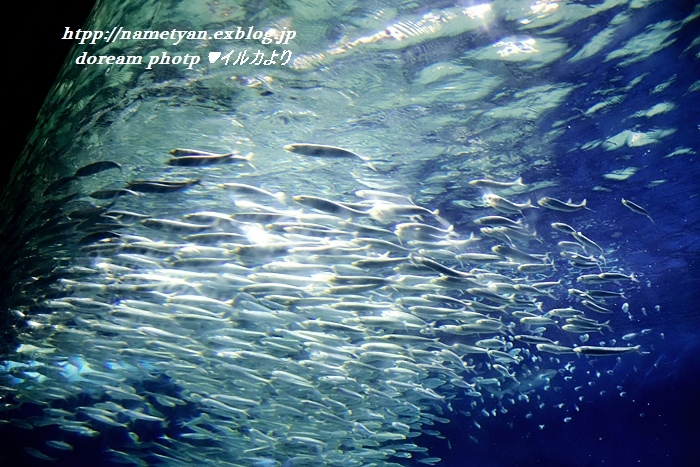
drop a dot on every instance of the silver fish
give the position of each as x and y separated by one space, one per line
484 183
605 351
557 205
636 208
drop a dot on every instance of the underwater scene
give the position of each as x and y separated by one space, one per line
358 233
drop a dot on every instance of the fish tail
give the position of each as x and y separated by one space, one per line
443 222
249 158
378 214
281 197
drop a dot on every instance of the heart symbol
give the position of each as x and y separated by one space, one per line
214 56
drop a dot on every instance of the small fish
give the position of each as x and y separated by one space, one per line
477 257
499 221
96 237
96 167
577 328
616 276
606 276
536 320
62 445
483 183
58 185
557 205
504 371
505 206
564 312
529 339
387 212
38 454
198 161
320 150
533 267
544 286
421 231
572 247
605 294
587 242
561 227
125 216
384 196
509 233
326 205
587 323
553 348
494 344
253 190
307 441
636 208
175 226
110 194
429 460
604 351
178 152
435 266
516 255
583 321
160 186
595 307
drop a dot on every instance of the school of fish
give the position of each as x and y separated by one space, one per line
293 329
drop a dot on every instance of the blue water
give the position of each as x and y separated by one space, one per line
652 418
656 422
